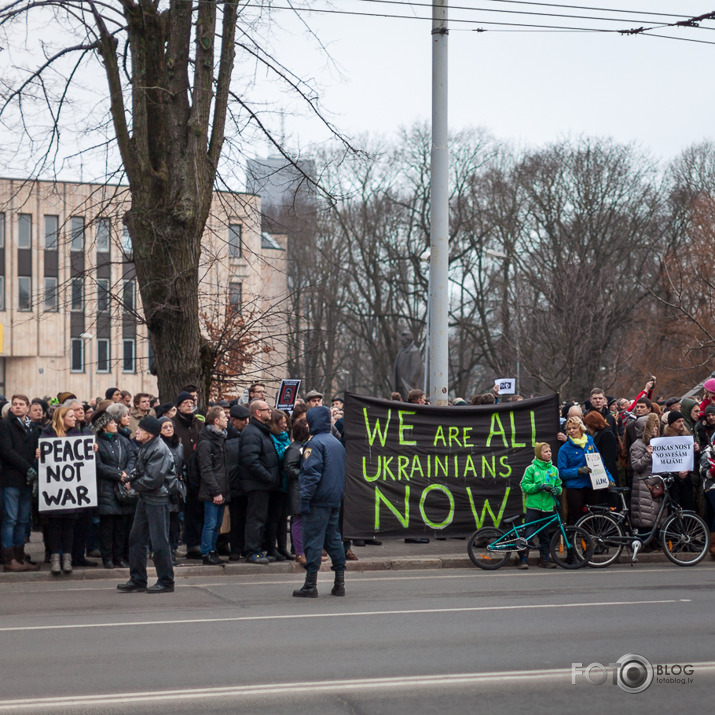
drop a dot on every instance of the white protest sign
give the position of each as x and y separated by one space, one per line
672 454
67 475
506 385
599 475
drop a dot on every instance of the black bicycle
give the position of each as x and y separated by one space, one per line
684 536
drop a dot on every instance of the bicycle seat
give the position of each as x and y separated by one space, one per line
513 519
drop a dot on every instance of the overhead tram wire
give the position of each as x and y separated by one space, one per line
471 8
355 13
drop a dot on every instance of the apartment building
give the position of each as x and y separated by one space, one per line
70 310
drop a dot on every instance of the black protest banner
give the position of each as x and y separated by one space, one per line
66 472
412 469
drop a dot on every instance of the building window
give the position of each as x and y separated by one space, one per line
77 355
51 300
234 296
24 293
2 292
128 356
24 231
128 296
102 295
2 230
77 294
102 355
126 243
102 240
52 230
235 245
76 233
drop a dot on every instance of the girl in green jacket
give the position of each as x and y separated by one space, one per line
540 484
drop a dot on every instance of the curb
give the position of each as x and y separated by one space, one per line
186 571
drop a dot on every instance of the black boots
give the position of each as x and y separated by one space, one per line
339 585
310 587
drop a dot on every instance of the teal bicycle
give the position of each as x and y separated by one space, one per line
571 547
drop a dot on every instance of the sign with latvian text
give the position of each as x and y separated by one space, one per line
672 454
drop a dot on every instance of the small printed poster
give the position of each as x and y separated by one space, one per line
287 395
672 454
506 385
66 473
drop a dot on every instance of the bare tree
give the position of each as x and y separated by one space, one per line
168 68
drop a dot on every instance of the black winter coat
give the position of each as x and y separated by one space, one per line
211 461
114 456
291 467
187 428
233 467
18 445
260 466
177 453
155 466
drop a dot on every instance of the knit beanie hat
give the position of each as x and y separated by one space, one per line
674 415
163 408
710 384
151 425
182 397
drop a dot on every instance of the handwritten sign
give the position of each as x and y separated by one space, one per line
672 454
67 474
599 475
506 385
414 469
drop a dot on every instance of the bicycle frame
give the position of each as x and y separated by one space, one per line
636 541
508 541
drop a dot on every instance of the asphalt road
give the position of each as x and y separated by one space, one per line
409 642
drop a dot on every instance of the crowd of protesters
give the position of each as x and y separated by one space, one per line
224 482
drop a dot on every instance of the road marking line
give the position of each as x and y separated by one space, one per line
294 616
354 576
324 686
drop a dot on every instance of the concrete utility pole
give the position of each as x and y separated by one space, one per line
438 327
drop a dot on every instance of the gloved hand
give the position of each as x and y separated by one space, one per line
31 475
304 507
546 488
584 470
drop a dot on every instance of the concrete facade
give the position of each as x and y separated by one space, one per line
70 310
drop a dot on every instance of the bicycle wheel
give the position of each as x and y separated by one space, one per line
574 551
485 557
605 533
685 539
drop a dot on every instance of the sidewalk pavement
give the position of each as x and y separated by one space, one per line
392 555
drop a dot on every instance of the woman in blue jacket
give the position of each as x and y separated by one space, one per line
573 470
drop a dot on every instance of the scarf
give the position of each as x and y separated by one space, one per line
580 441
215 430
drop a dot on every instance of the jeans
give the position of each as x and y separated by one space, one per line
237 508
17 511
320 528
213 517
151 523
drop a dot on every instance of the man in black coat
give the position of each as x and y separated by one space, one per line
18 444
188 428
260 473
234 542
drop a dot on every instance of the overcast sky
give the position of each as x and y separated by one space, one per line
526 87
